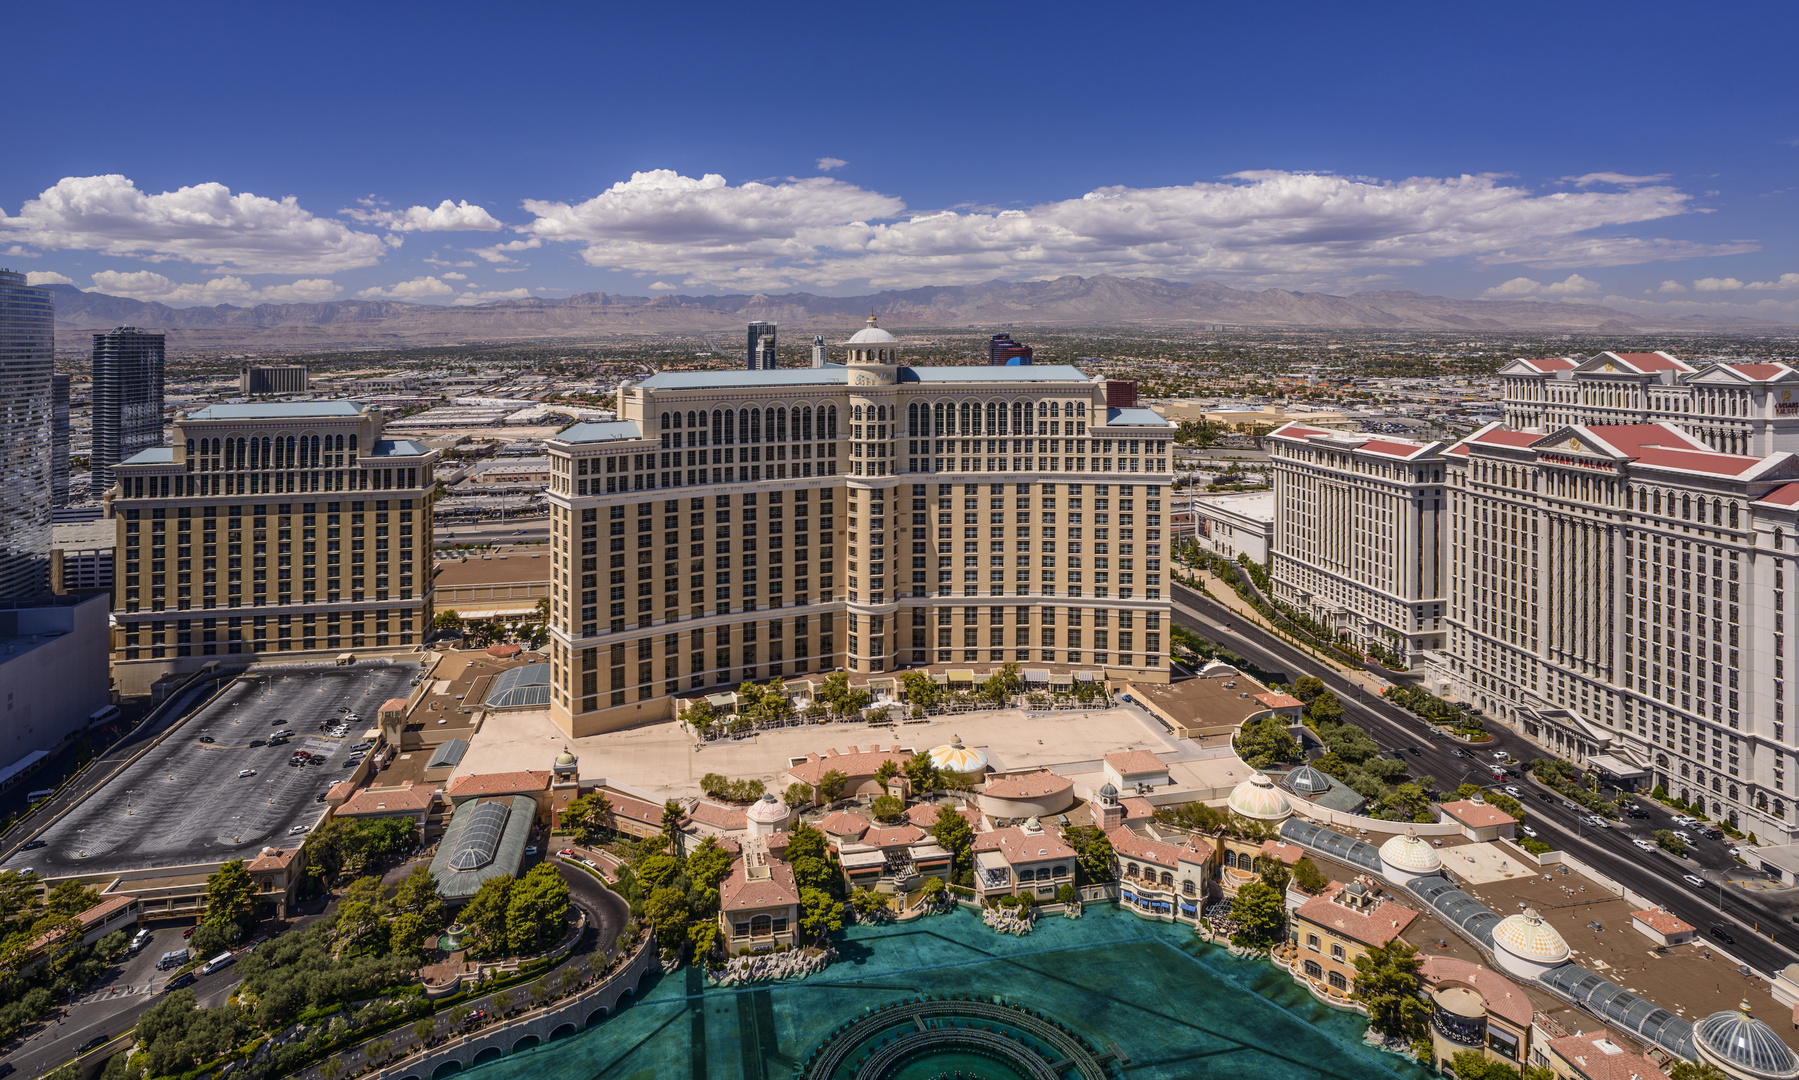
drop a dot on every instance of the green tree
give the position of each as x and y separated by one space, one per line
536 910
918 688
668 910
1670 843
1308 878
1307 688
701 716
704 938
932 890
485 913
954 834
673 817
921 773
886 771
1260 914
820 913
1267 742
417 895
1094 850
830 786
798 795
1386 984
708 864
361 923
888 809
1406 802
1325 709
1692 1070
869 906
230 896
409 932
589 817
447 619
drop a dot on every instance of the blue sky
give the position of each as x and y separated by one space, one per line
1638 154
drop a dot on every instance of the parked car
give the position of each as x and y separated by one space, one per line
246 772
1723 935
206 738
298 829
278 721
1697 883
188 933
33 845
566 853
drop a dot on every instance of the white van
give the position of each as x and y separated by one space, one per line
39 795
103 716
138 942
223 960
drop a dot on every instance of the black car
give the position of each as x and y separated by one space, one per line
257 742
1544 796
278 721
186 978
6 1068
206 738
96 1041
1723 935
33 845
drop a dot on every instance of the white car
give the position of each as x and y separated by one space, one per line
297 829
1527 831
246 772
1513 791
1696 883
1644 844
1683 835
1734 852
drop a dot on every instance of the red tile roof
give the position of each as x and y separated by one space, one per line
1017 846
1129 845
89 919
721 817
1506 437
855 763
410 799
1551 363
1279 701
845 823
503 651
739 893
1598 1057
1651 361
1028 785
1503 998
1285 852
394 704
1136 763
896 836
1392 448
1477 815
1759 372
1784 495
1662 922
624 806
1378 925
273 859
924 815
504 783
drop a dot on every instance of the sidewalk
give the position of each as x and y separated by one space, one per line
1240 608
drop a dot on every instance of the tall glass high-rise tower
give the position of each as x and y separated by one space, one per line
127 398
27 338
761 350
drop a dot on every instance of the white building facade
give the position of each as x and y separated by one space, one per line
1357 536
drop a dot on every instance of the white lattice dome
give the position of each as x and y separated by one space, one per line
1743 1046
1258 798
954 757
1528 937
1410 856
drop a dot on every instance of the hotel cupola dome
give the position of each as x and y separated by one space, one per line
1743 1046
1258 799
1407 857
871 345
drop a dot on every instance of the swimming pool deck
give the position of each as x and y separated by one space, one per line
1171 1006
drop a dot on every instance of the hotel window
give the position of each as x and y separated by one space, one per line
1312 942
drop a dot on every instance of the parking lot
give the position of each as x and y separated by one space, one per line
185 801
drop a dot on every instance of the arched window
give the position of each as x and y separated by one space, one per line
755 425
831 419
1779 540
1167 878
730 425
937 419
1055 410
856 413
665 423
883 413
806 424
962 421
912 420
1338 982
1735 519
1686 507
1314 970
1717 511
781 425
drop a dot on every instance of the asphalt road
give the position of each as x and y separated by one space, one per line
119 997
1428 751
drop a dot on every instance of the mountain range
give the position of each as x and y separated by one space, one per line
1065 301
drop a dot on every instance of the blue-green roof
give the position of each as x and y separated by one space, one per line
1136 417
277 410
525 687
1023 373
156 455
829 375
485 838
398 448
450 753
601 431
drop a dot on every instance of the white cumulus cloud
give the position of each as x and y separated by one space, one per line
1785 281
1670 286
473 297
1622 179
47 277
206 224
1717 284
663 286
497 253
451 275
826 164
446 216
416 289
150 286
1269 227
1573 285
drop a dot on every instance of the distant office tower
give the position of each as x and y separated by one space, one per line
272 379
818 351
60 431
1001 350
761 351
27 322
127 398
